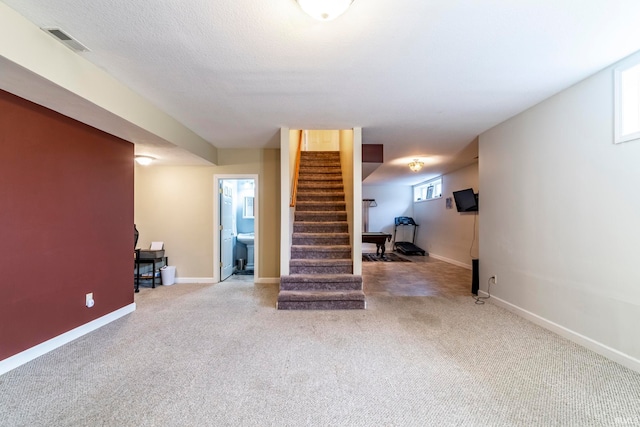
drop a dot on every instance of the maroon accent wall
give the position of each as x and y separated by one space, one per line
66 224
372 153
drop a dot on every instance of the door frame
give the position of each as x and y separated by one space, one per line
216 222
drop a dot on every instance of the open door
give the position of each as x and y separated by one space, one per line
226 230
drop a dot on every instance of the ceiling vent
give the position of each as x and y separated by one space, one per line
66 39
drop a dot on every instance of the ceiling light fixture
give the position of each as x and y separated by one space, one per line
144 160
416 165
324 10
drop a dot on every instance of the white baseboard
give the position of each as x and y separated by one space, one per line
28 355
602 349
451 261
266 280
195 280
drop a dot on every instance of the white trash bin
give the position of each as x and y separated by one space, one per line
168 273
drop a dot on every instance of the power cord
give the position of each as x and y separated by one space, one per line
480 300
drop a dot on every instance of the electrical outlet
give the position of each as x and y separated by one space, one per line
495 279
89 302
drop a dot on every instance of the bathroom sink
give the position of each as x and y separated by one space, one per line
246 238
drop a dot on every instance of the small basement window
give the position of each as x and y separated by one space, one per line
428 190
627 102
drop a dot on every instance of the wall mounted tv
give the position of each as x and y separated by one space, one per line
466 200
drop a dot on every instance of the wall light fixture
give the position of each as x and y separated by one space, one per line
144 160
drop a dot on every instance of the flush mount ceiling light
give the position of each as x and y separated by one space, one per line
416 165
324 10
144 160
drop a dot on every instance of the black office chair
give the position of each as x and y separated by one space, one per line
136 257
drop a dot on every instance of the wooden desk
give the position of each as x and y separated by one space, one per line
377 237
145 259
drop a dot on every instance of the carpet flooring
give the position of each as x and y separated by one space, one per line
222 355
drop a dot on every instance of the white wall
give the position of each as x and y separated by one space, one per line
392 201
560 211
446 233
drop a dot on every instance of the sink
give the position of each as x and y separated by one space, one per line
246 238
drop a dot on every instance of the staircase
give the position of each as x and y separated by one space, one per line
321 269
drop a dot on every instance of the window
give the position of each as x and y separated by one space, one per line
428 190
627 103
247 209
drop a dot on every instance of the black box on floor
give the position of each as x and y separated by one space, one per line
475 278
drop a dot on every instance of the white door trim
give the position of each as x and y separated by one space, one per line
216 222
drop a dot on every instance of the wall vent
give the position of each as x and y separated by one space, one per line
66 39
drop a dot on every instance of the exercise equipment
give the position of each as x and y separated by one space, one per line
407 248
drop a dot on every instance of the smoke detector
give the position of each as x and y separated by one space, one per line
66 39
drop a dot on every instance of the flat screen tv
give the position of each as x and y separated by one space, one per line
466 200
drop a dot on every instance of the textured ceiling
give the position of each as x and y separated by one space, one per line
424 78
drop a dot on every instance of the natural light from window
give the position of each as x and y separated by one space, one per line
627 103
428 190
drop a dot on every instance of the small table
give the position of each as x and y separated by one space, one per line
149 257
377 237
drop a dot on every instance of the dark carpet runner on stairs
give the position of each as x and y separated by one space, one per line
321 269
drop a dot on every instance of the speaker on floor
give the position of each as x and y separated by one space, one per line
475 278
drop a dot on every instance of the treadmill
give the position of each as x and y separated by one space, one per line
407 248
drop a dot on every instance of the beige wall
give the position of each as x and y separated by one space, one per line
560 212
351 158
323 140
176 205
270 214
289 140
446 233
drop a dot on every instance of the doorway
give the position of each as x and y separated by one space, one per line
236 221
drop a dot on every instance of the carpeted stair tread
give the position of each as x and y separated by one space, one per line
325 174
320 226
323 205
321 248
324 169
313 252
329 179
343 261
321 282
332 178
321 300
309 239
337 196
322 305
321 235
325 153
320 216
316 185
315 295
322 172
328 278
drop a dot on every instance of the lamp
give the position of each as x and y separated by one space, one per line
416 165
324 10
144 160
